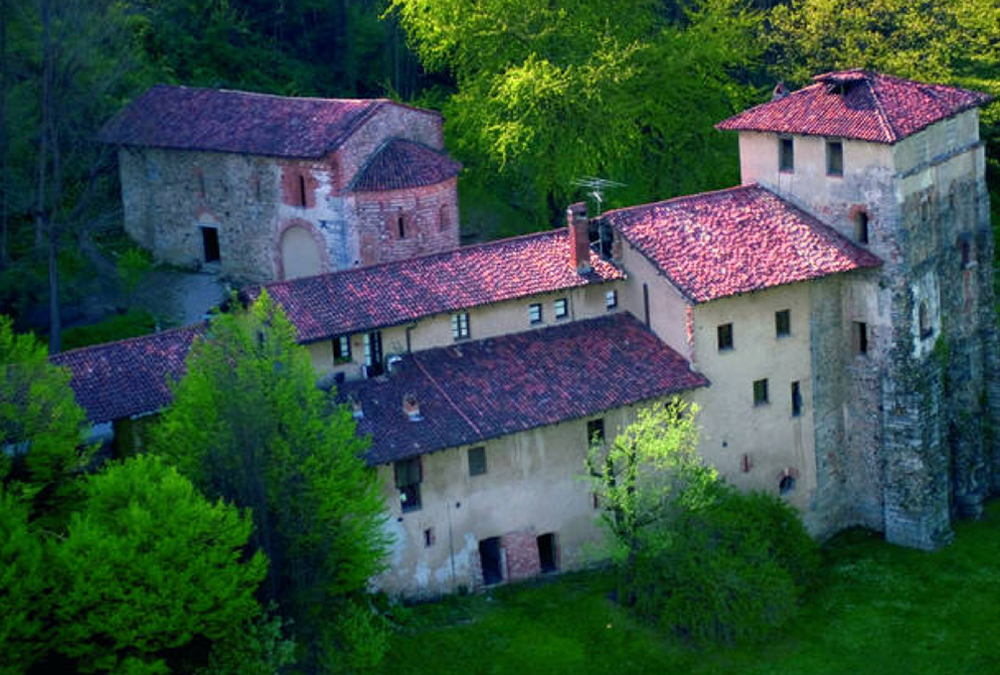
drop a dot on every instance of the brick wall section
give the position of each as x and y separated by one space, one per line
430 215
522 555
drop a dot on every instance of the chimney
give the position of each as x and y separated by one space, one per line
579 238
780 92
411 407
357 412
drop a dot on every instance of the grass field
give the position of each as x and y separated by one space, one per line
875 609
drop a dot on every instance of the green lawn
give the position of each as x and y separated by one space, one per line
877 609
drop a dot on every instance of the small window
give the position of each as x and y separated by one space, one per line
861 227
460 325
595 432
428 537
401 226
443 218
783 323
786 485
926 329
796 400
611 299
760 392
342 349
786 156
477 461
302 190
860 337
535 312
560 308
725 336
834 158
408 477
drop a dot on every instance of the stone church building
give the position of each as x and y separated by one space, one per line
267 187
833 317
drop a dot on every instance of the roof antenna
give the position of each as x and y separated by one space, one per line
596 188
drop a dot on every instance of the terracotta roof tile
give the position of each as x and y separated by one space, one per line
365 298
191 118
129 377
743 239
480 390
858 104
400 164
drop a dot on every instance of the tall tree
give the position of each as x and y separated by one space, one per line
549 92
249 425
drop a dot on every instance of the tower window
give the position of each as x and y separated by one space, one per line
834 158
786 156
401 226
861 227
302 190
796 400
859 331
924 316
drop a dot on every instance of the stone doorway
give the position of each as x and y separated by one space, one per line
491 559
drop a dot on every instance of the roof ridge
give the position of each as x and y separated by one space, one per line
892 134
193 327
245 92
681 198
444 393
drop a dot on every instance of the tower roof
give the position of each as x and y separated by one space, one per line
858 104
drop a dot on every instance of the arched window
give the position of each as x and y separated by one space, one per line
302 190
861 227
926 330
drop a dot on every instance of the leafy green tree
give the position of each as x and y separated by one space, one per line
549 92
249 425
149 565
695 557
40 426
25 588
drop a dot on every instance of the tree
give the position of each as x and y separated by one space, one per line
696 557
549 92
249 425
148 565
41 427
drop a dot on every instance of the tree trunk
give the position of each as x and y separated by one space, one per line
4 150
55 319
43 141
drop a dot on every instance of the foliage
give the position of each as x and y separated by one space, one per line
552 92
128 324
148 565
24 587
694 556
255 647
41 423
249 425
132 266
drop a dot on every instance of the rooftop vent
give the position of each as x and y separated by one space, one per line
411 407
357 412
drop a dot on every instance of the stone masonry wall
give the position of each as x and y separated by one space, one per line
521 550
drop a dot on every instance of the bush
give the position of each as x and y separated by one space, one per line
132 323
733 570
132 266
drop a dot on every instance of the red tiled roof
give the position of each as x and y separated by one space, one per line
480 390
400 164
191 118
364 298
717 244
873 107
129 377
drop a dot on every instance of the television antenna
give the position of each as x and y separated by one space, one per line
596 187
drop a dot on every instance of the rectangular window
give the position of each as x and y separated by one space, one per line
408 477
342 349
783 323
786 157
477 461
560 308
535 313
373 353
760 392
859 331
460 325
796 400
834 158
611 299
725 336
595 431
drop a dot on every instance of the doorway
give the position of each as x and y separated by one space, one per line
547 553
491 560
210 244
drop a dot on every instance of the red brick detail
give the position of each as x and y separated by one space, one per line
324 254
293 178
579 241
521 552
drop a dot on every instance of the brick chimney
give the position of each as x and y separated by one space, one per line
579 239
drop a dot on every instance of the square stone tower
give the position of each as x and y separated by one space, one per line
908 398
